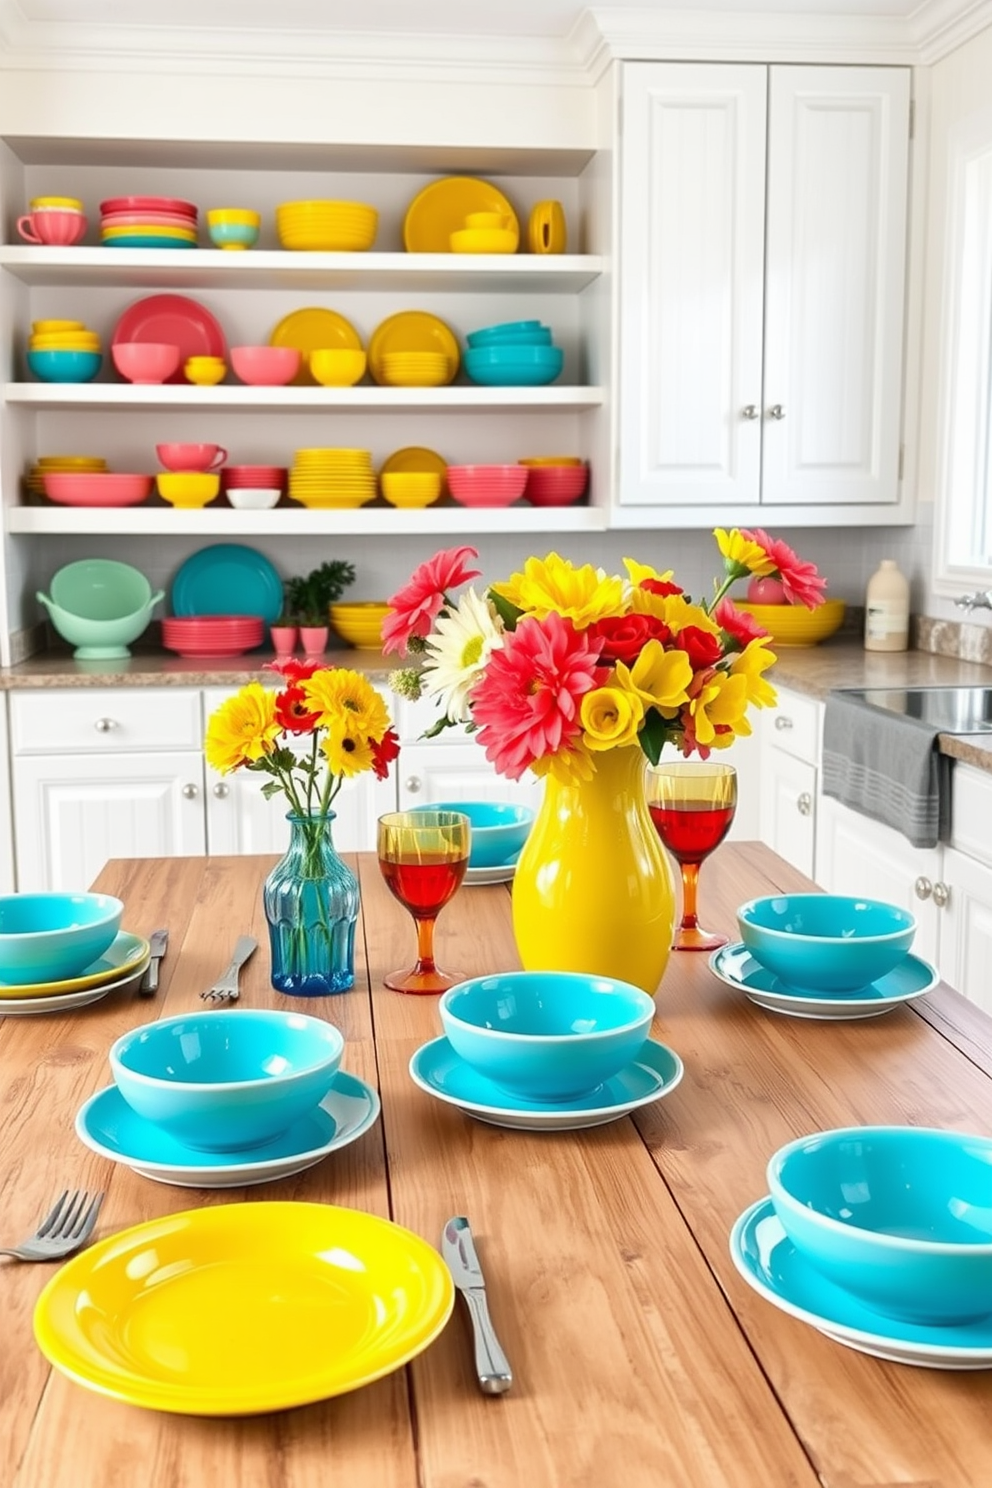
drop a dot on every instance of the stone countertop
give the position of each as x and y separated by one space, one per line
812 670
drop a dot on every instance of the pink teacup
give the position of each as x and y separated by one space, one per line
54 228
186 457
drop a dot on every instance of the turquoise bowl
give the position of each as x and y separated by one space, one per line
546 1035
52 937
900 1216
222 1081
826 942
233 235
517 332
65 366
499 829
510 364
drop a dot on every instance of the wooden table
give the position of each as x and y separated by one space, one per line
640 1356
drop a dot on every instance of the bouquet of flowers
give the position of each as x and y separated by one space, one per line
559 663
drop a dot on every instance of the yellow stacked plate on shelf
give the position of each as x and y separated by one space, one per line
794 625
53 464
239 1309
412 331
326 226
360 622
309 330
442 207
332 478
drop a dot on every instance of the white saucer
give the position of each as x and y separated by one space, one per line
20 1007
108 1125
502 873
438 1070
735 965
769 1262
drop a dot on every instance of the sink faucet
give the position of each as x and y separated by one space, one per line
980 600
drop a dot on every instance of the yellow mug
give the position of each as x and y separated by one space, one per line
546 232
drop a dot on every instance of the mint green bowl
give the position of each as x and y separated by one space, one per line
100 606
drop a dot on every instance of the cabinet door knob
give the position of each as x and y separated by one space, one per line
923 888
941 894
104 725
191 792
804 803
776 411
749 411
782 721
413 784
221 791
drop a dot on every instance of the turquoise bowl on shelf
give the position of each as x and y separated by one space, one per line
65 365
221 1081
546 1035
512 364
233 235
900 1216
517 332
826 942
54 936
100 606
499 829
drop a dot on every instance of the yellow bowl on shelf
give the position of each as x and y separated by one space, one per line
338 366
188 488
484 240
794 625
411 488
359 624
205 371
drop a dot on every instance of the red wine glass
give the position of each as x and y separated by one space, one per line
692 804
423 856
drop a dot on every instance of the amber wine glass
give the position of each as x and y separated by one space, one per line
692 804
423 856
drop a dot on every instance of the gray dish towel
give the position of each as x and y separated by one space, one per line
886 766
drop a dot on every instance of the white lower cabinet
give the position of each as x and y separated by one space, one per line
790 744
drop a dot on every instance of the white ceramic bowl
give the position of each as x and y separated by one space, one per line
252 498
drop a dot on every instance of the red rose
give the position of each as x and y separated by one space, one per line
623 637
702 648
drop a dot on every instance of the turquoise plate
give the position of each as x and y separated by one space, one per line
439 1071
735 965
143 240
228 579
771 1264
108 1125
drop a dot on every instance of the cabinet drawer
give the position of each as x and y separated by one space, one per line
794 726
105 720
971 813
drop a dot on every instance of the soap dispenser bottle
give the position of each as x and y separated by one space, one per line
887 609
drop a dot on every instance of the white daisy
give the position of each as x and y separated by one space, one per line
463 639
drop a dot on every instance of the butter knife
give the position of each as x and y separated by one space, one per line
458 1249
158 941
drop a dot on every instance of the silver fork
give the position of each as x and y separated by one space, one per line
225 988
67 1226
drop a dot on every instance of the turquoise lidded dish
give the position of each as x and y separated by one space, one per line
826 942
900 1216
546 1035
50 937
219 1081
499 829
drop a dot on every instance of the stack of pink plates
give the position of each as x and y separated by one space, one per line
253 477
212 635
147 222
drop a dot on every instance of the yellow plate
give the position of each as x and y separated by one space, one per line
125 953
310 329
442 207
412 330
243 1308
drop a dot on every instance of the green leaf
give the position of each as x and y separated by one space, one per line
653 734
507 612
438 727
271 788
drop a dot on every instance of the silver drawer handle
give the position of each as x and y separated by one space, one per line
191 792
749 411
220 790
776 411
804 804
783 722
413 784
923 888
104 725
941 894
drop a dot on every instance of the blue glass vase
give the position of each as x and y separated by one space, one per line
311 901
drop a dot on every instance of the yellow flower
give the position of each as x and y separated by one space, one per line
610 717
749 664
568 766
553 585
674 609
638 572
347 702
348 750
722 700
742 554
242 729
659 678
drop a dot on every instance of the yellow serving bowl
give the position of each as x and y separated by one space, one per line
360 624
484 240
411 488
794 625
188 488
337 366
205 371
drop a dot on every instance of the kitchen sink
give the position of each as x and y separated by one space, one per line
950 710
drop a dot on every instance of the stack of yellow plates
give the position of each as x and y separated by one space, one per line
332 477
327 226
67 464
360 623
412 334
62 335
415 369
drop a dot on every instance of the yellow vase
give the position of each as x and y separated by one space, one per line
593 890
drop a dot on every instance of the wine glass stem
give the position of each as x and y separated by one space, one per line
690 883
425 943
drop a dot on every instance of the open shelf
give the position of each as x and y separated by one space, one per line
184 397
377 521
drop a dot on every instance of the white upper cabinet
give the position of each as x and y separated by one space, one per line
762 273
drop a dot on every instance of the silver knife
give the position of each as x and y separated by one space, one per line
458 1249
158 941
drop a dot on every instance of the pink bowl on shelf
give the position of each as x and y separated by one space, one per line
265 366
97 488
170 204
246 476
556 485
487 485
212 635
145 362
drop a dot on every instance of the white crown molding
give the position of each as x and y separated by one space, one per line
941 25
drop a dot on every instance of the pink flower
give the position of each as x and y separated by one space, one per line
800 580
738 624
417 605
528 698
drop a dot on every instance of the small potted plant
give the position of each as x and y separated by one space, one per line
308 599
